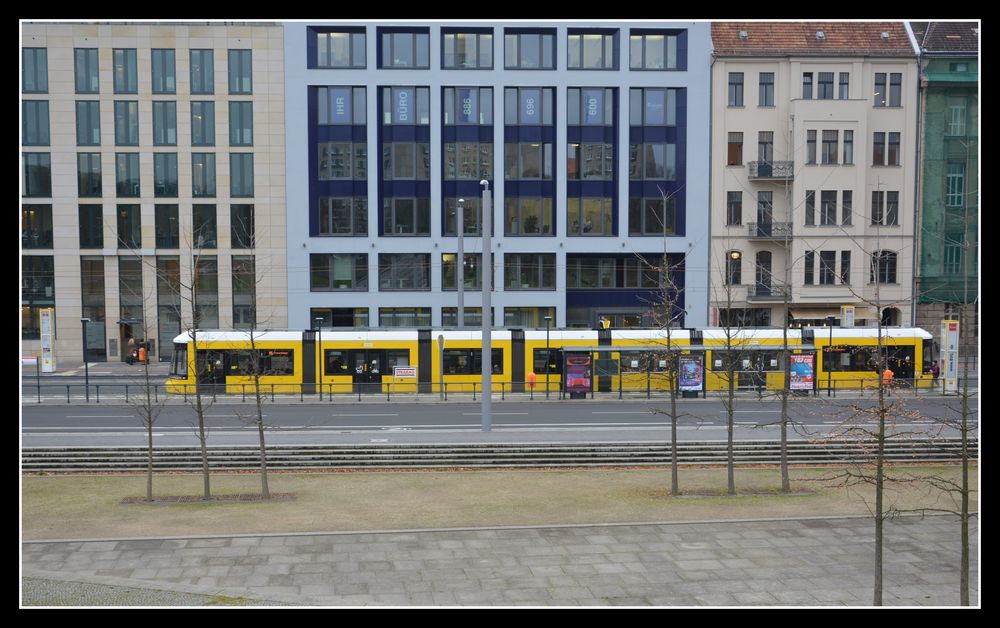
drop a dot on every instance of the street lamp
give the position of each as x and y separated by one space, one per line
548 355
460 262
319 349
829 353
86 367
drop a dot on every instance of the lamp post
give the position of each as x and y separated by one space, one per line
86 367
829 353
548 355
487 357
319 350
460 261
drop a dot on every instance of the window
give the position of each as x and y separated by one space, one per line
652 216
167 227
406 160
405 271
164 80
590 272
86 70
810 264
36 226
654 50
955 185
241 174
847 202
203 174
88 172
848 148
341 105
398 106
37 174
529 271
470 361
529 106
343 161
35 129
528 215
955 117
341 49
810 207
37 292
127 174
528 160
241 226
473 217
592 50
892 154
734 268
164 123
468 161
845 267
958 67
734 208
885 208
765 146
34 71
202 123
824 86
473 317
589 216
735 89
91 227
472 272
652 161
653 107
830 139
807 85
126 123
880 89
589 106
406 216
206 286
240 72
338 272
88 122
766 89
467 50
125 73
244 297
530 50
595 161
827 268
404 317
164 174
241 123
952 263
883 267
204 227
468 105
735 149
878 148
347 216
895 89
405 49
810 147
129 227
844 84
203 71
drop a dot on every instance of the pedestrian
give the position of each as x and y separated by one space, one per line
130 358
887 376
142 353
935 370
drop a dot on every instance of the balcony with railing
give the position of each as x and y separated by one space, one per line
770 231
760 293
771 170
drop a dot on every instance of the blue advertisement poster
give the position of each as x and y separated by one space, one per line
802 372
691 372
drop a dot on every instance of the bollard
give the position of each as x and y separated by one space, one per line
98 386
503 388
473 391
67 394
126 393
445 390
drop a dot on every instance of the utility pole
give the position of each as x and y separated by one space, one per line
487 357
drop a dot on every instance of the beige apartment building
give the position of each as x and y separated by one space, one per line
152 184
814 158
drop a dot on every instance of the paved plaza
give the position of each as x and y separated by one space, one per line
800 562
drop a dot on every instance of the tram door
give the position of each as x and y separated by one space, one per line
211 369
368 365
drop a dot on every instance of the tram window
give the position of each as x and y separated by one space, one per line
180 363
336 364
469 361
396 358
555 361
277 362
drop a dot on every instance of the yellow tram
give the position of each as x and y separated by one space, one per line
419 360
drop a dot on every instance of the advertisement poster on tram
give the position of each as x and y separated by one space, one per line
802 372
692 370
578 373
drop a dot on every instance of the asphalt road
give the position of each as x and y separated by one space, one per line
460 422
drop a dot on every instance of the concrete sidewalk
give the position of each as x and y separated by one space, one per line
799 562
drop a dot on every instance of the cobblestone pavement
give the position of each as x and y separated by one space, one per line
820 561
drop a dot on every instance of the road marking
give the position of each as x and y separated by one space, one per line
493 413
99 416
763 411
386 414
618 412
